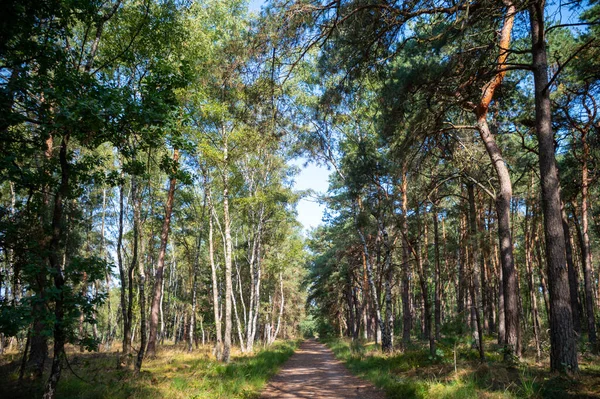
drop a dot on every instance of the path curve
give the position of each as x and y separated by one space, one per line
314 373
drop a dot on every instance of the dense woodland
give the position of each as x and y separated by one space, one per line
147 198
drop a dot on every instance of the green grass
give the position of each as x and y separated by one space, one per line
413 374
173 374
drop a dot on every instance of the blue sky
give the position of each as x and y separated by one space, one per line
254 5
311 177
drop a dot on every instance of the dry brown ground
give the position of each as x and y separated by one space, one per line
314 373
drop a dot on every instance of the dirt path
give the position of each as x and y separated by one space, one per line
314 373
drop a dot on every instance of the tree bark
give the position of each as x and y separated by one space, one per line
475 286
586 250
379 321
60 336
438 289
158 278
406 314
572 271
504 195
135 264
563 350
126 327
215 283
228 263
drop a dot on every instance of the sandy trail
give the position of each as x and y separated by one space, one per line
314 373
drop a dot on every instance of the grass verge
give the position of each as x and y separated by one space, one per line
413 374
173 374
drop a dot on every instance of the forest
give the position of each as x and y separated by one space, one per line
151 244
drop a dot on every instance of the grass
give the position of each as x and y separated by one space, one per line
173 374
413 374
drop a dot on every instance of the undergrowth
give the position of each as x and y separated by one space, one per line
173 374
414 374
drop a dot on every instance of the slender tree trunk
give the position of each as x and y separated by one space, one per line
379 321
586 250
136 264
38 347
563 349
110 323
387 341
228 255
475 286
124 282
572 271
158 278
406 308
504 196
194 299
423 268
281 307
215 283
530 279
460 258
60 336
437 272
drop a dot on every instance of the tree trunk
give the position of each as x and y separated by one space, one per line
504 196
387 341
379 321
438 290
535 320
124 281
215 283
136 264
158 278
563 349
423 267
38 347
406 315
60 335
228 255
475 286
586 250
281 307
572 271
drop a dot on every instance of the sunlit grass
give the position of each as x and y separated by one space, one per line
173 374
413 374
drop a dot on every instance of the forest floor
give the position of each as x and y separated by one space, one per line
414 374
174 373
314 373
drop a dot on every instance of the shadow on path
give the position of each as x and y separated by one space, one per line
313 372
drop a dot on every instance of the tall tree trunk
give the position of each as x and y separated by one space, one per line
586 250
158 278
194 297
228 255
504 195
124 278
535 320
406 308
563 349
38 347
387 341
215 283
60 335
281 307
475 286
136 264
438 289
572 271
110 324
423 268
379 321
460 258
